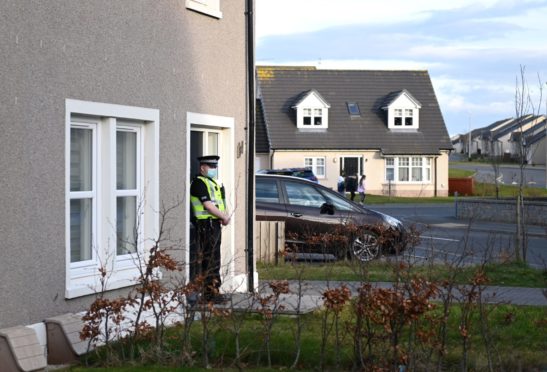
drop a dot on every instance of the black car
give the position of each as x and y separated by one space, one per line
306 173
312 212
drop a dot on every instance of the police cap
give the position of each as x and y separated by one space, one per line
209 159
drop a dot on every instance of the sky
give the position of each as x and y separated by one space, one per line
474 50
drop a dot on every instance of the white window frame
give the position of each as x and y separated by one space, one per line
83 278
403 107
313 163
207 7
397 162
312 106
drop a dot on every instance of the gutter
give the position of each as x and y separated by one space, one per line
249 15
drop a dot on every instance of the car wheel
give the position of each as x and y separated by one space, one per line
366 247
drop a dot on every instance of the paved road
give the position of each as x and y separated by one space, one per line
510 174
445 238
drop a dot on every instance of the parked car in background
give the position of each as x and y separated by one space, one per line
306 173
320 220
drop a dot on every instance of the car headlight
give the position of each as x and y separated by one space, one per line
392 221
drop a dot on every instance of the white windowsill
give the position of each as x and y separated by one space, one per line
201 7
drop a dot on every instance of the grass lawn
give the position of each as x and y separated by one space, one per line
516 336
510 275
481 190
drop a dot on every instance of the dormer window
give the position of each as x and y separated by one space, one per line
402 110
314 116
312 111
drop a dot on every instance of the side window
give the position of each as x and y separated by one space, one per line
266 191
340 204
304 195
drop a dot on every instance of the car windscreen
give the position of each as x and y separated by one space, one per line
267 191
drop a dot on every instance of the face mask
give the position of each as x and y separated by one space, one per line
212 173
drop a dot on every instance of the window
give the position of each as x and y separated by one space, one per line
312 111
408 117
304 195
314 116
110 214
317 165
208 7
398 117
317 116
353 109
403 169
403 110
408 169
266 191
390 169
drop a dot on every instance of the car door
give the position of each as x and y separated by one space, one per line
307 214
269 201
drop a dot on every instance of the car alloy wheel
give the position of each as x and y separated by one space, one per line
366 247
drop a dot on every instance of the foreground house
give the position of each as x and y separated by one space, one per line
105 107
385 124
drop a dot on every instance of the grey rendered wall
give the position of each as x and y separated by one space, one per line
147 53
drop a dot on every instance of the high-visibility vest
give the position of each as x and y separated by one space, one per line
215 194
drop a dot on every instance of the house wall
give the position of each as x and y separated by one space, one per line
374 168
152 54
537 153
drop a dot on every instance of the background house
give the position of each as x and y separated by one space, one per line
385 124
502 139
105 106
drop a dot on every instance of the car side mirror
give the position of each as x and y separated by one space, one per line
327 208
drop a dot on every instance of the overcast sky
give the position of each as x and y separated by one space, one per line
473 49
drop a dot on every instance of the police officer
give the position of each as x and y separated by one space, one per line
207 197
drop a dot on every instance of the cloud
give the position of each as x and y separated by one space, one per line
473 50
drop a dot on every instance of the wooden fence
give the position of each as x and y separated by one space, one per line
270 240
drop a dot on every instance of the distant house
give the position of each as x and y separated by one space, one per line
385 124
502 139
105 107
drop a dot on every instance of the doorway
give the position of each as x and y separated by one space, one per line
211 135
351 165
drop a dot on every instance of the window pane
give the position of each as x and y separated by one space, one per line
317 120
212 143
266 191
320 168
307 112
390 161
317 112
408 121
126 217
80 229
307 120
390 174
416 174
403 161
340 203
403 174
398 121
126 160
408 112
308 162
416 162
81 159
305 195
398 112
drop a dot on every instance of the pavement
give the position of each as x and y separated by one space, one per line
311 297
